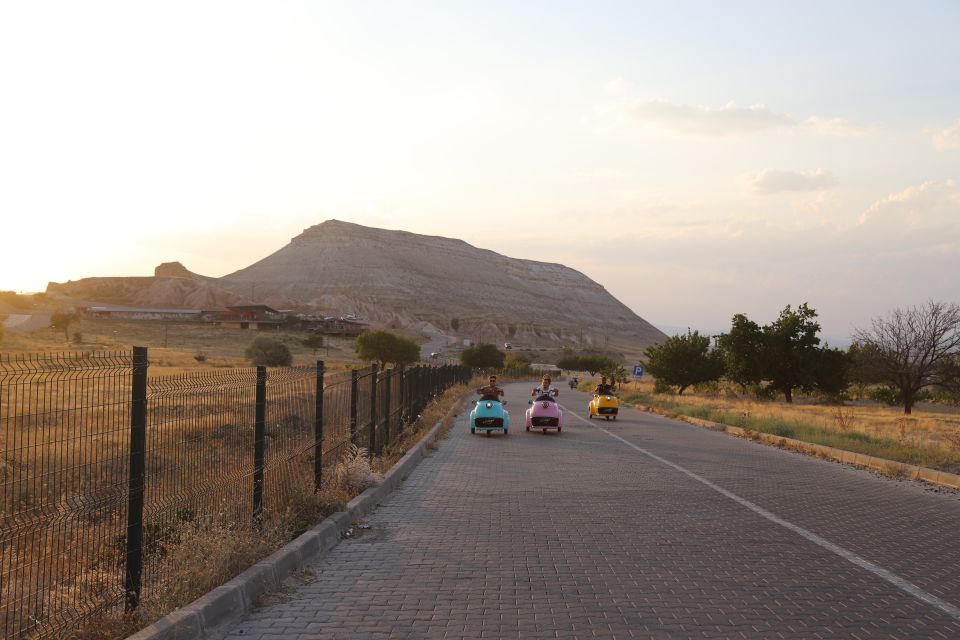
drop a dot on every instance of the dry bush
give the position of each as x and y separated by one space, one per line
450 400
353 472
895 471
953 439
205 557
843 419
904 427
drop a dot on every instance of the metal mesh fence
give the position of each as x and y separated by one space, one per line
99 473
63 478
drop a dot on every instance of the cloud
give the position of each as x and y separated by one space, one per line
840 127
930 204
729 120
773 181
616 105
949 138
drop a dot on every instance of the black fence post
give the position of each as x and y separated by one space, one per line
373 411
259 442
318 430
402 400
138 458
388 392
354 384
415 410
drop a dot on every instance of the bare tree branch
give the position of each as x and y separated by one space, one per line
915 348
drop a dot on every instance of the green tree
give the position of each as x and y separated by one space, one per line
406 351
791 351
619 375
268 351
386 347
483 356
592 363
569 362
61 321
684 360
313 341
741 349
785 353
832 372
862 369
517 365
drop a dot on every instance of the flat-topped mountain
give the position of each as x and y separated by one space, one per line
402 279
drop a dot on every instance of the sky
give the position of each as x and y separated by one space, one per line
698 159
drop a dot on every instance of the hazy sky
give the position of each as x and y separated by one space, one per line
698 159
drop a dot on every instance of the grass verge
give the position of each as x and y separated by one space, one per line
934 457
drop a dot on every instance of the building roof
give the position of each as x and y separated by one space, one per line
111 307
250 307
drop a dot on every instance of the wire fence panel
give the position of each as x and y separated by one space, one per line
64 423
336 416
104 468
364 386
291 403
199 457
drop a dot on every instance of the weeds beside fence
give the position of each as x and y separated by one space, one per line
105 468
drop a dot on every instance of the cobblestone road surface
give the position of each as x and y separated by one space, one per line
580 535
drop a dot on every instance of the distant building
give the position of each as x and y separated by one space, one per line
334 326
252 316
115 312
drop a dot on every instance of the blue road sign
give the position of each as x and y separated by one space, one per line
638 371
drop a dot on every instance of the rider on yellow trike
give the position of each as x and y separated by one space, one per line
604 403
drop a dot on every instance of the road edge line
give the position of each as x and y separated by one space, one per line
901 583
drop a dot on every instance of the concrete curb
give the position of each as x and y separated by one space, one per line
229 601
888 467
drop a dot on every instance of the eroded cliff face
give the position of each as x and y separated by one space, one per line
402 279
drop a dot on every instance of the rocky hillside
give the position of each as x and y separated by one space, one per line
401 279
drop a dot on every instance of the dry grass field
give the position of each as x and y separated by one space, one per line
65 439
929 437
175 346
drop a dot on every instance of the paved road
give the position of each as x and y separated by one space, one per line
436 342
639 528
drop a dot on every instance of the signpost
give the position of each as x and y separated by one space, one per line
637 374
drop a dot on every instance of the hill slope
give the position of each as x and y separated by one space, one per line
402 279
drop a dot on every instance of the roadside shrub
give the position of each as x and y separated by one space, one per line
268 351
353 472
516 365
313 341
894 397
200 356
659 386
77 337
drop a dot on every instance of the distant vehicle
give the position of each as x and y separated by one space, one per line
434 354
507 346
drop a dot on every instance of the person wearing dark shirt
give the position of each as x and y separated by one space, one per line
491 391
603 388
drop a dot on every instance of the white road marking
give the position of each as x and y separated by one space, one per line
901 583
